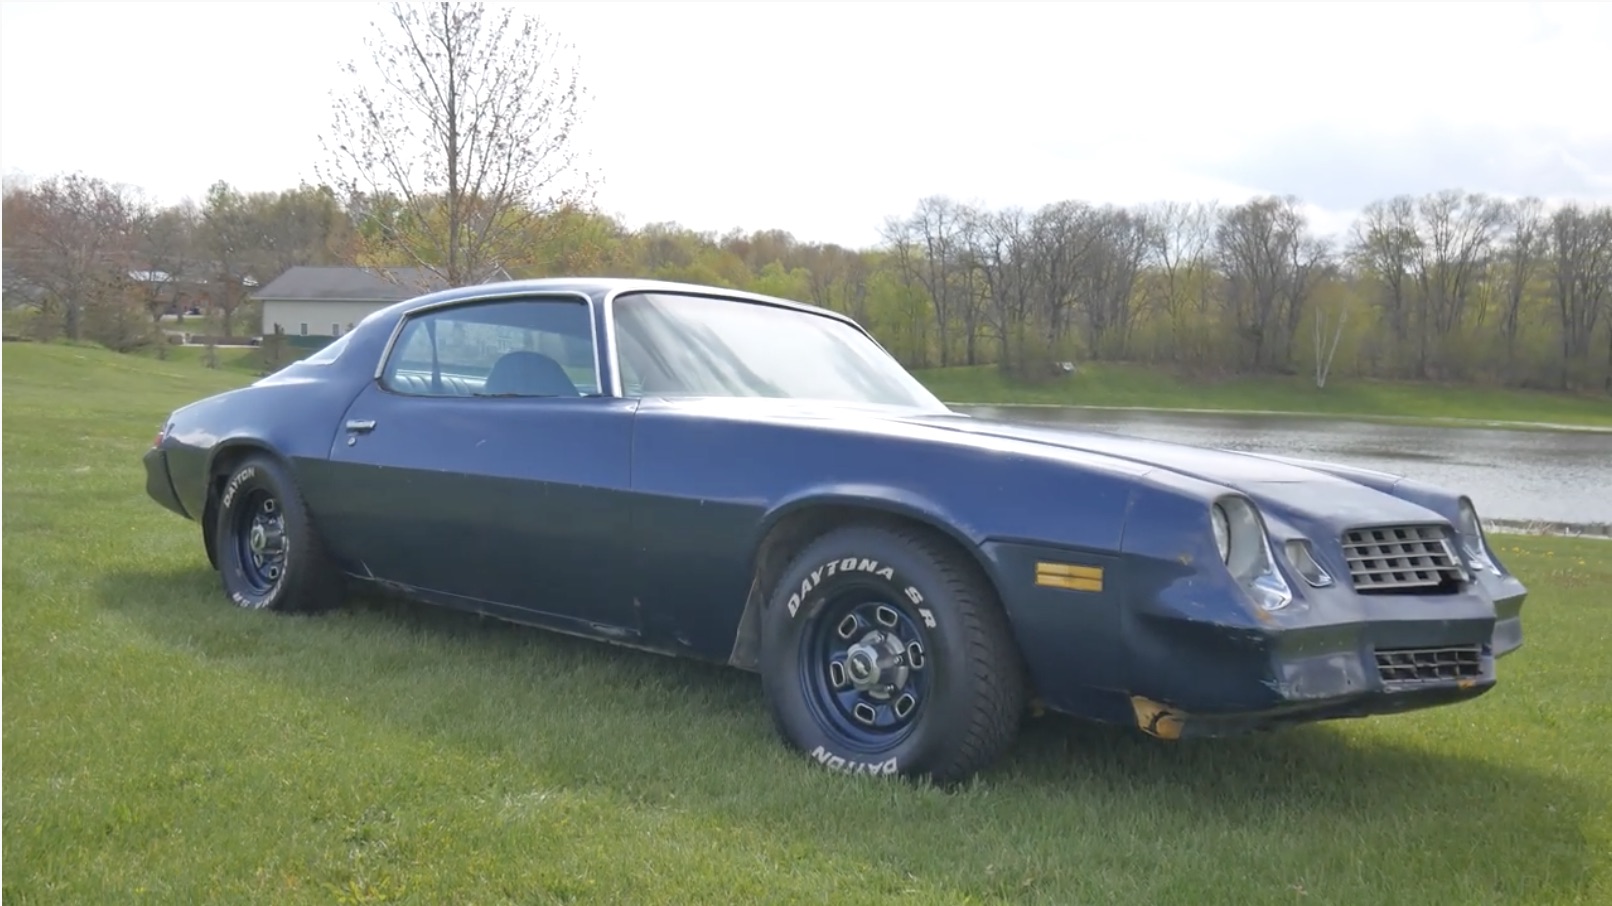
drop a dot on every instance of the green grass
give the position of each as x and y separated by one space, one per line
1122 385
247 360
162 746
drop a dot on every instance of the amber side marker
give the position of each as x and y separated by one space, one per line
1070 576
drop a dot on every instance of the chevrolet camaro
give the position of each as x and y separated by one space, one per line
756 482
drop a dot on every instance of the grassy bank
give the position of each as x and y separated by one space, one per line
1135 386
161 746
242 360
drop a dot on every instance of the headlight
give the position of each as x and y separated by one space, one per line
1474 546
1217 517
1247 552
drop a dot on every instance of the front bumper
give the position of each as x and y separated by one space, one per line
1401 653
1181 654
159 484
1334 686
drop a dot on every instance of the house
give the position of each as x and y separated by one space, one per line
181 294
326 302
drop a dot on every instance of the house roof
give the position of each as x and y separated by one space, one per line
350 284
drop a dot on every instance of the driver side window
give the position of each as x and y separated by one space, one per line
508 348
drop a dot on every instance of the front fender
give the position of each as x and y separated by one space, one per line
895 501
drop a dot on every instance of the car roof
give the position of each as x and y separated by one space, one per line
599 288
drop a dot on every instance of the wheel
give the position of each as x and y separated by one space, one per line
269 555
884 653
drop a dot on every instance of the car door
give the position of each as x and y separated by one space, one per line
483 464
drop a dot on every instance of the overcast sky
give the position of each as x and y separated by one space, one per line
824 118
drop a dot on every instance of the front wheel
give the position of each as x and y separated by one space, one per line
269 555
883 652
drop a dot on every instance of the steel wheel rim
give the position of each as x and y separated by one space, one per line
260 540
865 668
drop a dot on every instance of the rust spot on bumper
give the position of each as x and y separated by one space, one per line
1156 719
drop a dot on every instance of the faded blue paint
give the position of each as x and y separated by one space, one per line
639 522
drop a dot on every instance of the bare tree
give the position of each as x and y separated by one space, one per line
469 122
837 278
1524 250
162 245
938 230
1179 265
1457 230
1385 243
20 225
1059 246
906 262
75 245
1270 264
1310 260
997 252
1107 273
1323 352
1581 244
1179 237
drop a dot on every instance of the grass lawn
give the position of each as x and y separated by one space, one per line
162 746
1136 386
244 360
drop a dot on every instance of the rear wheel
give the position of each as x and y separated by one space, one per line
269 555
884 652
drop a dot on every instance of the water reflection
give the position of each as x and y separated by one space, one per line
1555 476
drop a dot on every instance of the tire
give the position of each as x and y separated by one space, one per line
884 653
269 554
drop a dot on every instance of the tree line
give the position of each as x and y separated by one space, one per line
456 155
1448 286
1452 285
92 260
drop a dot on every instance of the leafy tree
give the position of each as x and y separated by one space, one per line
1451 285
232 239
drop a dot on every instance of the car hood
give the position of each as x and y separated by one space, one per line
1289 487
1301 492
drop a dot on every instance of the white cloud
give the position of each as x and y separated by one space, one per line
824 118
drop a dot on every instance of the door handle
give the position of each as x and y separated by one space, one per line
361 425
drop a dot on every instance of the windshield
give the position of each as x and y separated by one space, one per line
682 345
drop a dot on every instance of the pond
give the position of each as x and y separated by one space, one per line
1512 476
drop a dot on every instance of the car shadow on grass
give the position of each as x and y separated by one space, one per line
698 732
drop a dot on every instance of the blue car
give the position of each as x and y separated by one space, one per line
756 482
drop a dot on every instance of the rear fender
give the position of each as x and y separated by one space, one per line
294 419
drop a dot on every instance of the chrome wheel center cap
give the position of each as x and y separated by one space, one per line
862 666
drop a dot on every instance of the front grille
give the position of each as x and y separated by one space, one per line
1401 558
1429 665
